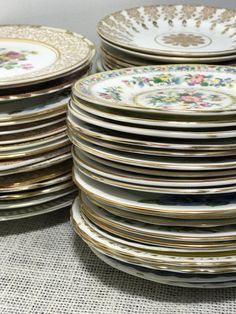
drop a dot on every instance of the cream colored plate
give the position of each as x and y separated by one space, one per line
46 147
158 172
21 195
160 59
149 256
39 165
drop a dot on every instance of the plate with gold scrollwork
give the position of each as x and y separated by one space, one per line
202 90
180 30
31 53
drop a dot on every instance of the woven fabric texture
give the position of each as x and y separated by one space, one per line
46 268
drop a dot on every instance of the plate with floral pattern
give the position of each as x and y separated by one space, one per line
31 53
169 89
183 30
143 119
164 205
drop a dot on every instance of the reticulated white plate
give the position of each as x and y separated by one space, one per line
172 30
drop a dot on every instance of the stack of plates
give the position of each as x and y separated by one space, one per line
37 68
167 34
154 157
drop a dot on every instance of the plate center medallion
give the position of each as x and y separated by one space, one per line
184 99
183 39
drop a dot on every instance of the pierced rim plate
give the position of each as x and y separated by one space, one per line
172 29
32 53
196 90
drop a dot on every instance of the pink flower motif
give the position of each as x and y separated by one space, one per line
204 104
27 66
197 79
13 55
104 95
189 98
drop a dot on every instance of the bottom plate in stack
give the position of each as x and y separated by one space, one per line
189 267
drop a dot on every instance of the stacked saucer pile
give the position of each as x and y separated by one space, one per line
37 68
154 157
167 34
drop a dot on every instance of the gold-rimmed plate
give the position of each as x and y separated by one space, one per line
35 179
111 172
189 90
44 208
172 30
36 192
164 205
36 106
32 53
16 165
158 162
33 135
223 132
31 201
145 141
